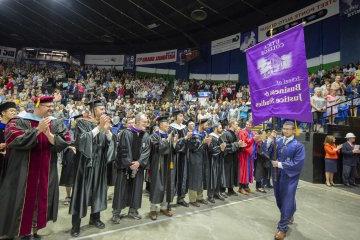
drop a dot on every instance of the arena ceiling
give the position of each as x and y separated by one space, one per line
130 26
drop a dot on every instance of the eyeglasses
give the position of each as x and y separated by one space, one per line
48 106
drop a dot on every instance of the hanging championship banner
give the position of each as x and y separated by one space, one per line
156 57
129 62
278 77
349 8
7 52
310 14
225 44
248 39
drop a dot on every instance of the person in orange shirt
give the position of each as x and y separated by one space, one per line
331 157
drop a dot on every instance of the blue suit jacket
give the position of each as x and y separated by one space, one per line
291 156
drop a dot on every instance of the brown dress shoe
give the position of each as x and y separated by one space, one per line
242 191
280 235
167 212
153 215
248 190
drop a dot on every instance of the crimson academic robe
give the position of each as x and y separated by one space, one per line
285 180
24 191
246 158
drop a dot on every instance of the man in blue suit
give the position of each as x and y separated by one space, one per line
290 157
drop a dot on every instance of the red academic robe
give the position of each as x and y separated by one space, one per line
37 183
26 184
246 164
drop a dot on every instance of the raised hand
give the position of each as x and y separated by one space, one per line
107 124
242 144
207 140
222 147
188 135
44 125
103 121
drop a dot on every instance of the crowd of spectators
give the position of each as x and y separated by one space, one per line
332 93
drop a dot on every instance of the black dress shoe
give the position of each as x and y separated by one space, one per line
135 215
261 190
97 223
28 237
75 232
195 204
203 201
224 195
36 236
232 193
220 197
116 218
212 200
183 203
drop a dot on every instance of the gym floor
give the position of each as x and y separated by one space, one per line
323 213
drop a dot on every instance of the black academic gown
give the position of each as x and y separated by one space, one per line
19 150
90 188
230 159
128 190
53 192
181 160
69 167
198 164
216 164
161 169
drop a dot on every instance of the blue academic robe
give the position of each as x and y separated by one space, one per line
285 179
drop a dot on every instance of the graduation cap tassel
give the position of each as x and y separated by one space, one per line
297 130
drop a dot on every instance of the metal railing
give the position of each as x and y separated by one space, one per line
351 109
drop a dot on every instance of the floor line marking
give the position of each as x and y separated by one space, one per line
169 219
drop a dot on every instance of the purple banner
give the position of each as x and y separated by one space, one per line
278 77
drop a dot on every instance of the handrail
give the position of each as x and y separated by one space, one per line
352 106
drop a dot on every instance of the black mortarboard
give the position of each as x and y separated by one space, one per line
77 116
162 118
176 112
95 103
202 121
6 105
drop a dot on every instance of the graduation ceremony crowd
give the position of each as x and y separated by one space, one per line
109 129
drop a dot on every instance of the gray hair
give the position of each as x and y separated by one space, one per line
139 116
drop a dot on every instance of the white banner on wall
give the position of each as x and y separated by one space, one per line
225 44
156 57
104 60
310 14
7 52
